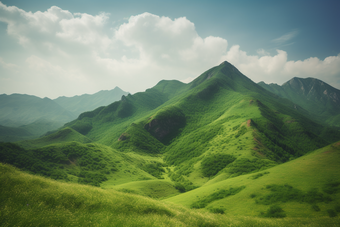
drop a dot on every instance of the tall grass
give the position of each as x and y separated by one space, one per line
28 200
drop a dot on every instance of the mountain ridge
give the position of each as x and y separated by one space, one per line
319 98
25 116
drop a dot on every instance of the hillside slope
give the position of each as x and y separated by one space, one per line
305 187
29 200
316 96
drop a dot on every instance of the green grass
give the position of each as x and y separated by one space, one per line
311 178
157 189
28 200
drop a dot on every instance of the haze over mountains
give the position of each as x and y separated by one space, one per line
220 143
27 116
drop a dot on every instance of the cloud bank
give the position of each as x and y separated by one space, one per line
64 53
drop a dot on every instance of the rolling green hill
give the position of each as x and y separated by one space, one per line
221 144
28 200
320 99
308 186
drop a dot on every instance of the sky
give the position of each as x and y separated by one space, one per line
52 48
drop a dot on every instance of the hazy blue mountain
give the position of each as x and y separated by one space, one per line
79 104
27 116
29 131
20 109
320 99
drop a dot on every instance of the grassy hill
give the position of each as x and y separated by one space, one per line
220 144
305 187
28 200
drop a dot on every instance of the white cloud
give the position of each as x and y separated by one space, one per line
74 53
164 41
262 52
8 66
277 69
286 37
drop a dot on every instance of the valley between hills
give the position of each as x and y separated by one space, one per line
218 151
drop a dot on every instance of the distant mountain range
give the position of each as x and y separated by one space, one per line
321 100
27 116
79 104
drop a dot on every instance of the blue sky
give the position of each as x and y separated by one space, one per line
75 47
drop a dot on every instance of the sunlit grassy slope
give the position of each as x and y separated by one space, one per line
89 163
315 177
28 200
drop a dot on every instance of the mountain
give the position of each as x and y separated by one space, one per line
316 96
25 117
79 104
220 144
28 116
18 109
29 131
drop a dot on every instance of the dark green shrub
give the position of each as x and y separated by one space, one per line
332 213
216 210
315 207
258 175
332 187
155 169
285 193
252 195
337 208
91 178
244 166
180 187
275 211
221 194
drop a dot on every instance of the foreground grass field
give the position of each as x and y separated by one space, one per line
28 200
